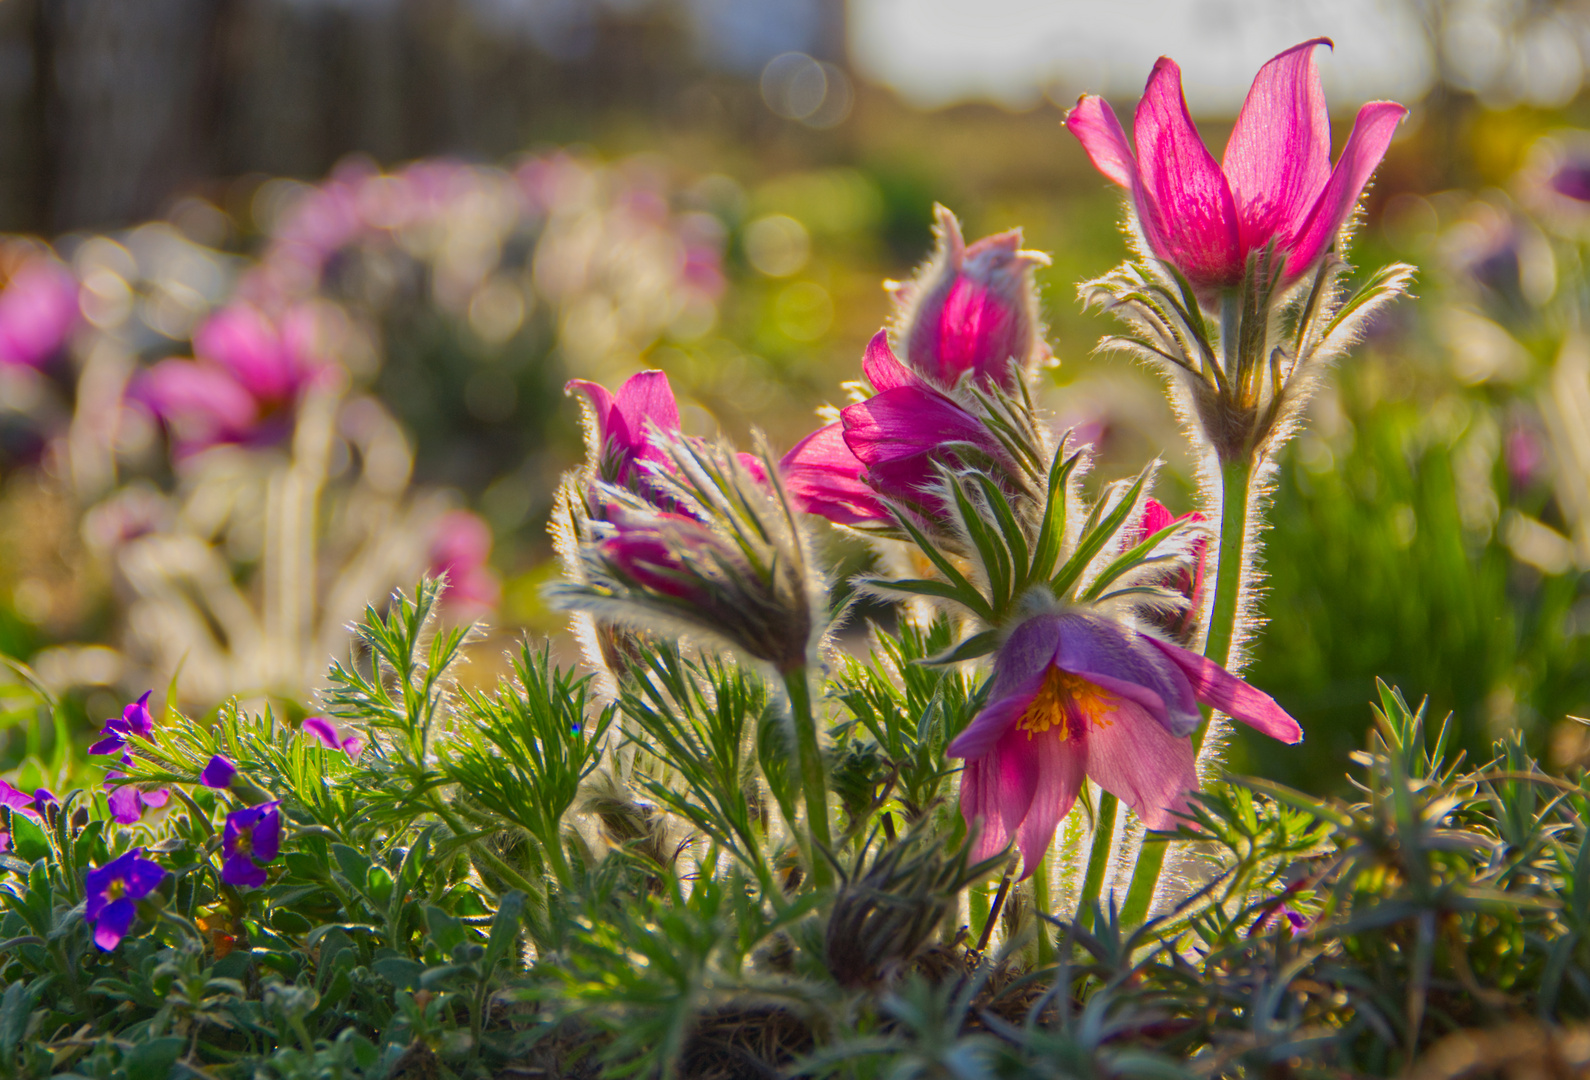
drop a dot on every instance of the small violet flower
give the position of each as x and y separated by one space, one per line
113 894
322 729
1077 695
1274 185
218 772
885 446
128 801
253 838
972 309
134 720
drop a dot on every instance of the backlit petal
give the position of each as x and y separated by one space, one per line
1214 685
1123 662
644 398
1376 123
997 789
1142 764
1184 202
824 477
1060 764
1095 125
882 369
1279 155
990 725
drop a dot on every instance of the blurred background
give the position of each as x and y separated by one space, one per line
292 288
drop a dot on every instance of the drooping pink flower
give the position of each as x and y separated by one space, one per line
461 550
1078 695
893 440
972 308
248 373
38 309
1274 185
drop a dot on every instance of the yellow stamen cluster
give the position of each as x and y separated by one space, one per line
1066 702
115 889
245 841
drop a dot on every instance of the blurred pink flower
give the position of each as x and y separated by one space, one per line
461 550
1275 185
248 374
972 308
38 309
1077 695
321 729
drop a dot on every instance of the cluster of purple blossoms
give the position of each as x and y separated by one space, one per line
127 801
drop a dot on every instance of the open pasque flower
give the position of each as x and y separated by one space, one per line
1275 184
972 308
1078 695
253 839
113 894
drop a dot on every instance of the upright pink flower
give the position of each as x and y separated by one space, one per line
461 549
619 425
1078 695
1274 185
972 308
248 374
886 445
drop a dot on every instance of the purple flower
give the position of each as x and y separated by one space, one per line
218 773
113 892
322 729
1275 185
34 805
972 308
252 839
890 444
1078 695
134 720
461 549
128 801
37 311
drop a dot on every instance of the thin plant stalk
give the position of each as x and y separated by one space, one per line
1236 479
809 758
1099 856
1045 906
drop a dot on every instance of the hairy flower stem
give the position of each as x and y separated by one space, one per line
809 757
1044 906
1236 481
1099 856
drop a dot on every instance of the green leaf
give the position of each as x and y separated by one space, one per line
354 863
1094 539
400 971
505 927
1051 533
154 1059
977 645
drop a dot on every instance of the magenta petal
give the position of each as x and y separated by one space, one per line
825 478
1372 131
644 397
906 422
1184 202
125 805
14 798
997 791
157 798
881 367
990 725
1214 685
1094 124
1061 769
1279 155
113 922
1134 758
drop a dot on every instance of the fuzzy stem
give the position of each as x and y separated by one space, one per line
1044 906
810 759
1236 480
1099 857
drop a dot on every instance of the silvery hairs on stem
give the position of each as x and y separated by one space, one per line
730 559
1241 376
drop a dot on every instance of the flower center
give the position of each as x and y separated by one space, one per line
245 840
1066 702
116 889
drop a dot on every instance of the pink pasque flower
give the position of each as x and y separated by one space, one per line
38 308
248 374
1078 695
619 425
1274 185
1186 580
972 308
461 550
886 445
